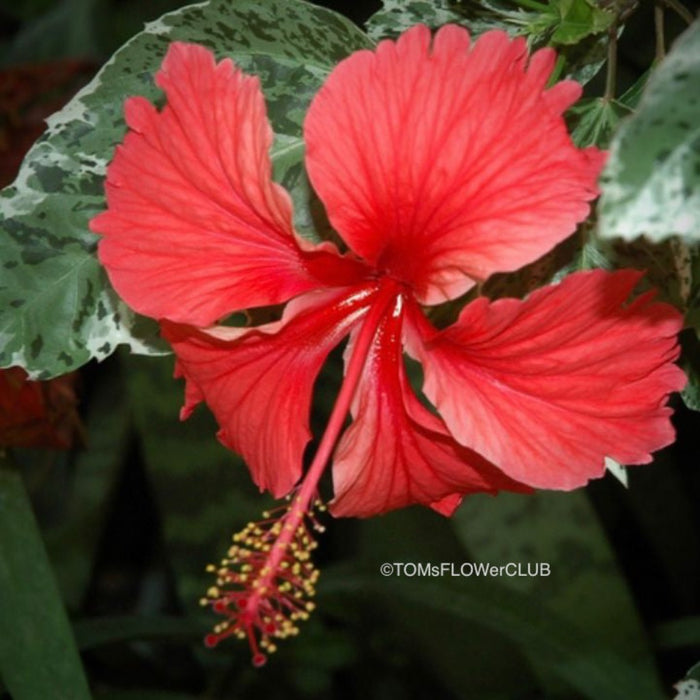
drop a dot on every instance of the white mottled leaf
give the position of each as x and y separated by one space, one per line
651 185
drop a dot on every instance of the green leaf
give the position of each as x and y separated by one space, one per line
631 97
95 632
204 492
477 16
596 119
460 653
651 184
58 310
38 656
567 651
513 614
288 169
86 482
585 587
397 16
582 59
577 19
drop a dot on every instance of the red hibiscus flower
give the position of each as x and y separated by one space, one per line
439 162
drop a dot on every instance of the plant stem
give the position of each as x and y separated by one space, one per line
660 50
681 10
611 75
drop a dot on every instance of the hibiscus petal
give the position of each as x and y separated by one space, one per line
196 229
448 505
445 164
258 383
546 388
396 453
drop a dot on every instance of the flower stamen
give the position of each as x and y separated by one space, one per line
265 584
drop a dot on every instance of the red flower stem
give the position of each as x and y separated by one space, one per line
387 294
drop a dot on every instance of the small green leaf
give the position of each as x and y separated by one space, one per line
577 19
596 119
631 97
585 59
38 656
651 185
